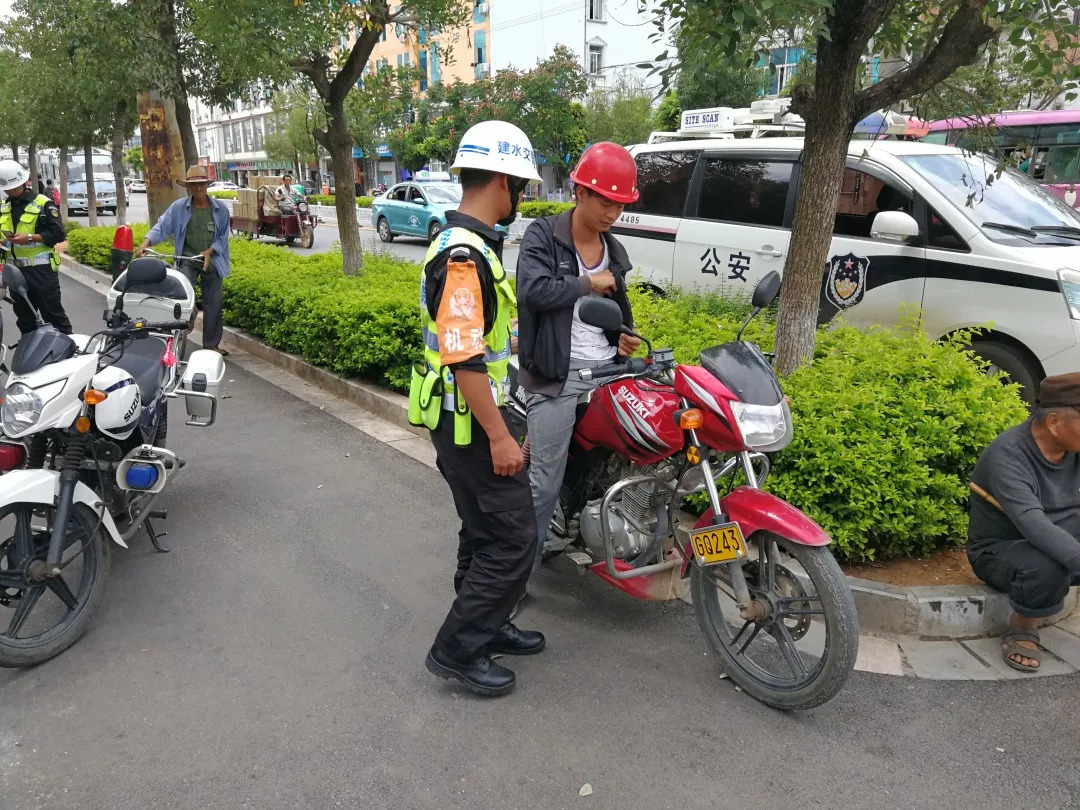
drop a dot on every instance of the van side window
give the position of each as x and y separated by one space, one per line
862 197
749 191
663 179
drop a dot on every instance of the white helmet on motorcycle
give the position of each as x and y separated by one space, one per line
118 416
496 146
12 175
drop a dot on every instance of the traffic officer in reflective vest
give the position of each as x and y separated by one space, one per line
459 391
32 228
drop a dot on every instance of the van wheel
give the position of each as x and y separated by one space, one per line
1012 365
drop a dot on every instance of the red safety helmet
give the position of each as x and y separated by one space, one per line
609 170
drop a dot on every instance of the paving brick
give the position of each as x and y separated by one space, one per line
879 655
1071 624
989 650
1064 645
945 661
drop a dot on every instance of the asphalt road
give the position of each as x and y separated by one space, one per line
274 660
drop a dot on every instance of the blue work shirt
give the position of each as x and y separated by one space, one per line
173 225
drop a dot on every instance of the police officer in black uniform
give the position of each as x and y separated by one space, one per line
32 228
458 393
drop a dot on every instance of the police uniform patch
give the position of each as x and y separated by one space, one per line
845 282
53 210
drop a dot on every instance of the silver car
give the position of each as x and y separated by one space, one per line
105 202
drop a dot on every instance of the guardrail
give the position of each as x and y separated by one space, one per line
328 214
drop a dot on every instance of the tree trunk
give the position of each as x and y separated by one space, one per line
120 117
32 165
163 155
63 180
824 156
91 190
187 132
15 152
338 142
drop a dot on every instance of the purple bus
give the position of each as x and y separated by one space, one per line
1052 137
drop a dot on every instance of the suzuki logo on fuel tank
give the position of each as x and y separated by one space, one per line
631 399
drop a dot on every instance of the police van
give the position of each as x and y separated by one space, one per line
919 227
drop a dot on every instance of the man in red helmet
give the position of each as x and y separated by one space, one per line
562 260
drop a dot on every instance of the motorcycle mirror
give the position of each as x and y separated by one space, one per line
14 279
766 290
603 313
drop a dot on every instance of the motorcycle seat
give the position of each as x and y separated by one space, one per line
142 360
170 287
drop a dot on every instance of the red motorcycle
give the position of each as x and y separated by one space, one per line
769 596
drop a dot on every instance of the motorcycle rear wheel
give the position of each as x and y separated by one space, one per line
79 600
815 600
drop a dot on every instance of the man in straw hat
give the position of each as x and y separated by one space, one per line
199 226
1024 530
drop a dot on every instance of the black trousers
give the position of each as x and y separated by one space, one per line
1037 584
43 290
496 543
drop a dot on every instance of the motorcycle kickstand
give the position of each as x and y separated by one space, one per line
154 536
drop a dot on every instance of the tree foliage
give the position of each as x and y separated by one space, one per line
711 77
621 113
544 101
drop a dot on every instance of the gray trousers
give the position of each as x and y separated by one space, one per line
551 426
211 302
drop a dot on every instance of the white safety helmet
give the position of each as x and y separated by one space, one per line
12 175
496 146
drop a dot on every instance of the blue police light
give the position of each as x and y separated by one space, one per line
141 476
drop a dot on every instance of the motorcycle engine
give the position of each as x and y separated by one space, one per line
632 515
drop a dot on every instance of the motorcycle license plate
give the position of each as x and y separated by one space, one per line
718 544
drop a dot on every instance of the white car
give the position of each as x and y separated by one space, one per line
105 199
916 228
137 185
222 185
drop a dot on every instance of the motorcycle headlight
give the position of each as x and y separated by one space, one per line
21 410
1070 288
765 428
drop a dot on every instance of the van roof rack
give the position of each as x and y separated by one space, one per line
763 118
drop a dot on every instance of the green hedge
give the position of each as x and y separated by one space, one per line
330 199
888 423
223 195
539 208
366 326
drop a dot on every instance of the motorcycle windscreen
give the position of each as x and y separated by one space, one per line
41 347
745 371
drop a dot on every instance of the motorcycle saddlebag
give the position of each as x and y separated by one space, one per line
202 376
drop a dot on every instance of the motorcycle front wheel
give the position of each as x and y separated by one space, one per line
41 619
801 653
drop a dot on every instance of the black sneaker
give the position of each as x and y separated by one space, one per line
481 675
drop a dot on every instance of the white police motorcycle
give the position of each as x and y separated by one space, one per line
84 423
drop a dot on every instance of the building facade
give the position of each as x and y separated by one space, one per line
608 36
457 54
231 139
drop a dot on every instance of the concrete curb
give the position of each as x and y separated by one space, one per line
937 633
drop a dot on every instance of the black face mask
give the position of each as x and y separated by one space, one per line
515 185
